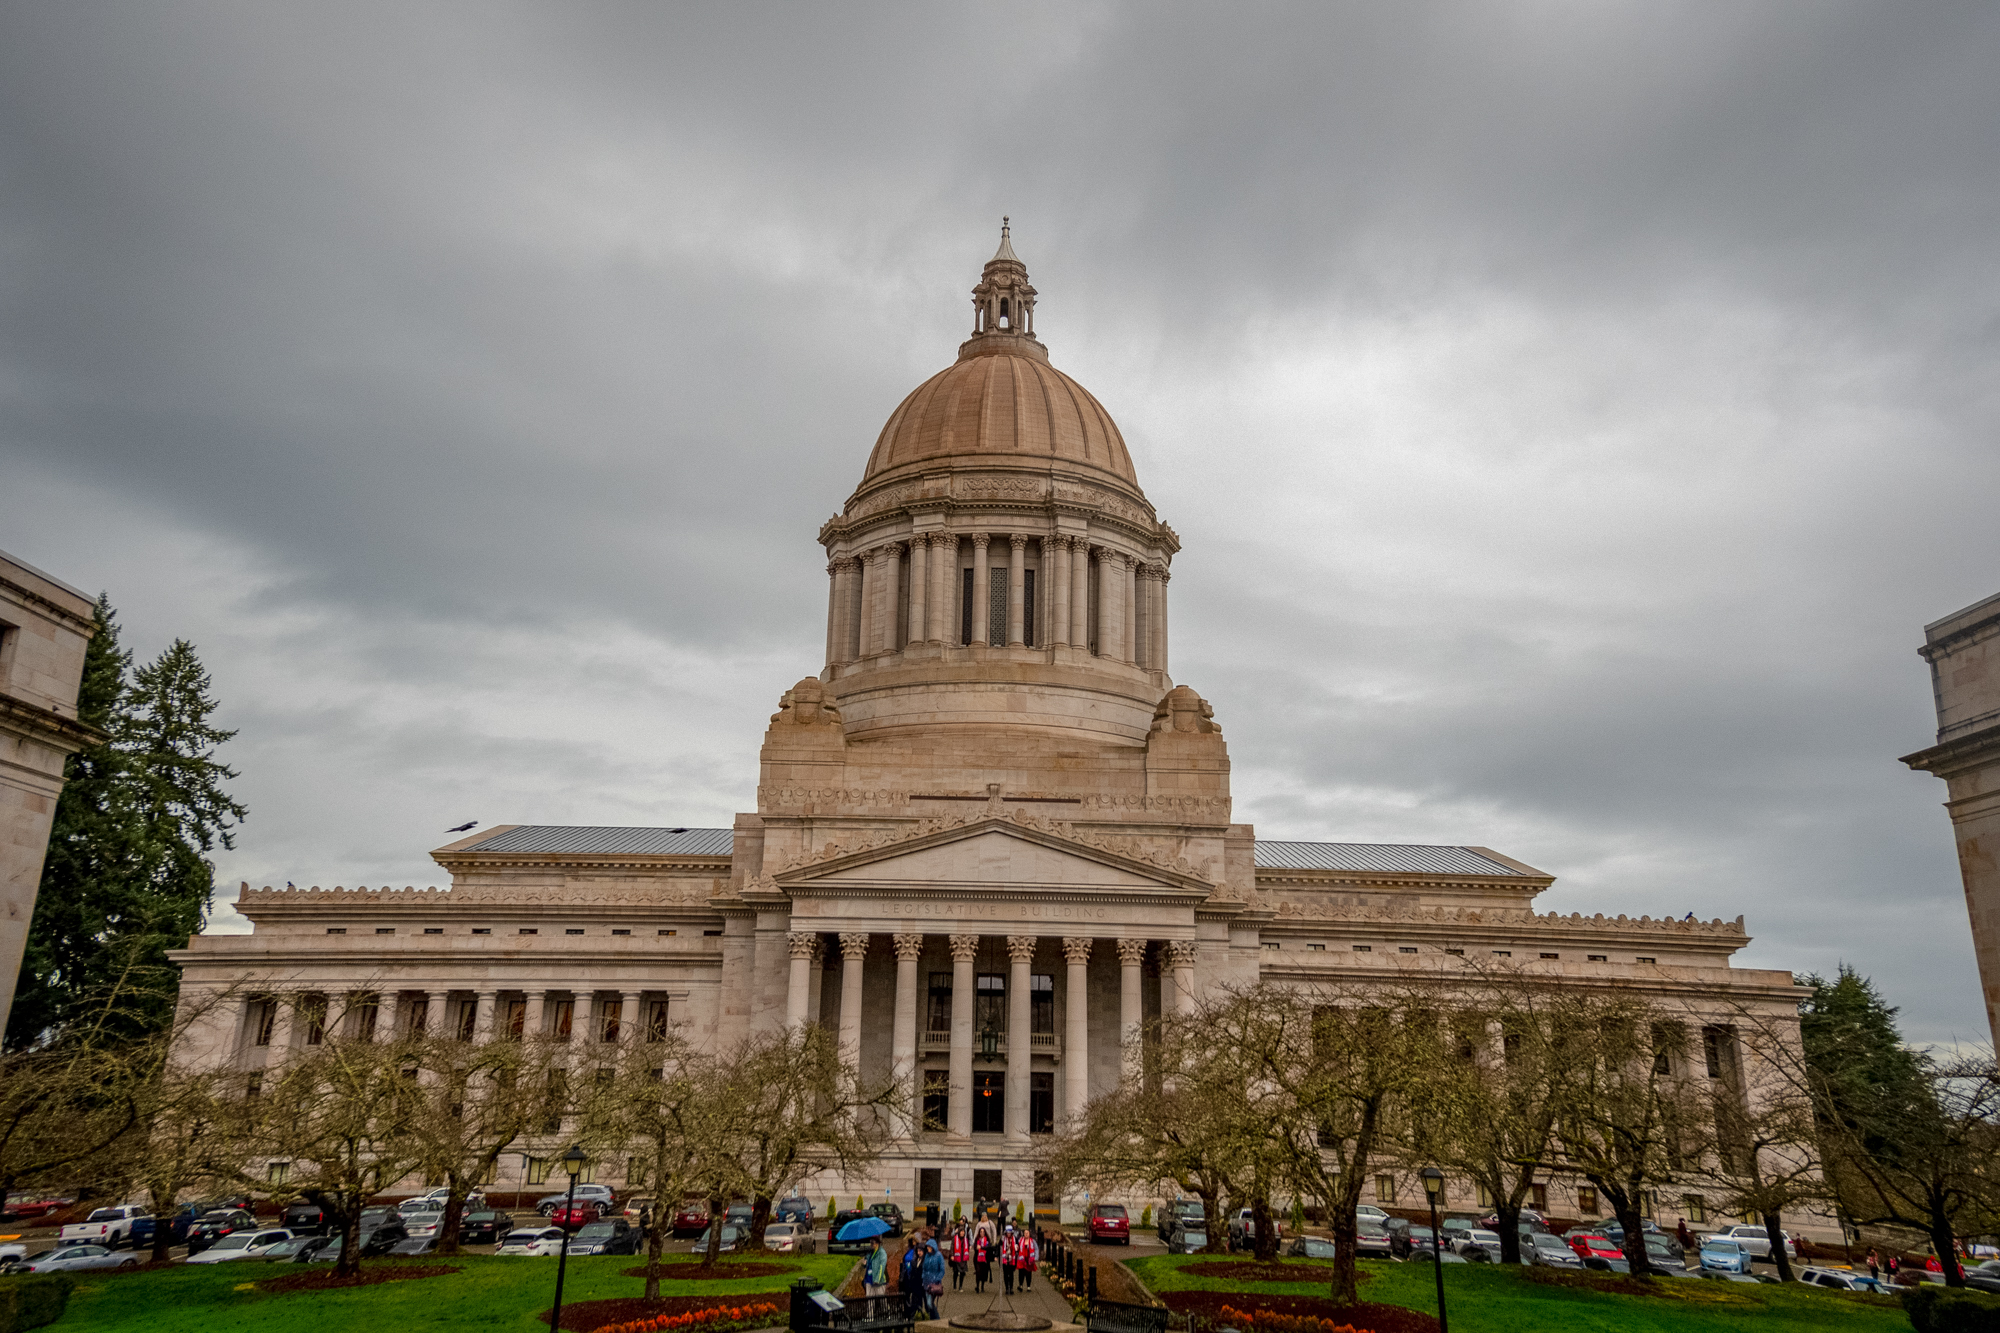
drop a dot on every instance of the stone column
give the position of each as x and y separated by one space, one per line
1055 574
832 611
903 1034
1128 635
1017 570
1161 576
815 987
963 949
1076 1038
1110 616
1181 954
1079 593
798 989
920 587
1020 1041
845 595
981 588
870 564
944 580
1142 617
485 1008
1131 1008
631 1017
436 1022
853 955
282 1010
535 1022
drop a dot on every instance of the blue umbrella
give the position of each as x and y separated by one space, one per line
863 1228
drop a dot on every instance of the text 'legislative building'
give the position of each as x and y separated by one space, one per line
993 836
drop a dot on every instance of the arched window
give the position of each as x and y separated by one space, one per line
1003 312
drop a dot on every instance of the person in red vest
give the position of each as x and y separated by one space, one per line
982 1259
1024 1257
961 1253
1010 1254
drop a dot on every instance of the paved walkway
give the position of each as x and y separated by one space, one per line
1040 1299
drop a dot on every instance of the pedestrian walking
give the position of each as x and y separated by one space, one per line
910 1277
1010 1252
961 1254
933 1276
1025 1258
982 1260
645 1221
875 1278
1683 1235
1874 1264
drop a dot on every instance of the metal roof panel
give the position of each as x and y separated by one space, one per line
608 841
1400 858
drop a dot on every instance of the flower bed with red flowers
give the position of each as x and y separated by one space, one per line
723 1272
671 1314
1291 1314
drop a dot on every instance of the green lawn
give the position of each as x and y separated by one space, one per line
490 1293
1483 1299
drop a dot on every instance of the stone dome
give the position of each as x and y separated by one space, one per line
998 406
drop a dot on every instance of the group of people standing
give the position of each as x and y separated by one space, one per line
929 1256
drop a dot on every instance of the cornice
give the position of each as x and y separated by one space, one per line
67 734
1957 755
82 620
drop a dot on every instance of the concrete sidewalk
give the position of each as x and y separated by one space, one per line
1041 1299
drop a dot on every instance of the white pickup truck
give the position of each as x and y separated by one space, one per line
109 1227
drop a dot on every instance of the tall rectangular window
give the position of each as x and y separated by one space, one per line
468 1018
937 1018
1695 1207
517 1018
366 1017
1028 607
261 1022
996 606
538 1170
1538 1198
565 1017
1091 592
965 607
930 1185
1042 1005
937 1100
990 1012
656 1021
1385 1189
613 1021
1041 1103
279 1172
313 1010
1586 1200
989 1102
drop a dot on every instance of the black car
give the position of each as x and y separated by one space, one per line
184 1217
306 1219
1406 1239
891 1214
380 1240
840 1219
1310 1247
213 1225
483 1227
611 1235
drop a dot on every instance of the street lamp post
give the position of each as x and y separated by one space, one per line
1434 1186
572 1161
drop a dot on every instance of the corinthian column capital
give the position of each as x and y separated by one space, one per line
981 540
1021 948
854 947
1018 540
1132 952
908 947
964 948
1181 952
801 943
1076 950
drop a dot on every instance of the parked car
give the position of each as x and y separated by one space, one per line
1187 1236
731 1238
889 1213
414 1245
1589 1243
1369 1212
1409 1239
612 1235
26 1209
1756 1241
1475 1238
303 1218
293 1250
1492 1220
690 1218
1841 1279
184 1216
600 1195
1984 1277
483 1226
74 1258
793 1208
1722 1254
442 1195
1243 1227
422 1221
580 1214
213 1225
321 1250
1310 1247
834 1245
1545 1249
246 1244
382 1238
1371 1240
1178 1213
109 1227
533 1241
1109 1225
789 1238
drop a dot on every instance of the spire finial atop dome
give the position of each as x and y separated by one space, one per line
1003 306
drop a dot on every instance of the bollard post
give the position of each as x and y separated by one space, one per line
1093 1283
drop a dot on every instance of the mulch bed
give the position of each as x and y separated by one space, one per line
588 1316
1254 1272
328 1280
1113 1282
717 1273
1206 1309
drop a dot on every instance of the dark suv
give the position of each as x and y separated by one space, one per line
889 1213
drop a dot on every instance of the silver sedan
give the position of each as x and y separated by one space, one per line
71 1258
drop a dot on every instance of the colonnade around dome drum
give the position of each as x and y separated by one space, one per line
1043 591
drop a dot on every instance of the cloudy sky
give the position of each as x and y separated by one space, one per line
1572 411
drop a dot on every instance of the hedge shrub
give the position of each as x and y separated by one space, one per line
33 1300
1935 1309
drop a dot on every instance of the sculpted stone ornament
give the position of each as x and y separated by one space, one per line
1184 711
807 704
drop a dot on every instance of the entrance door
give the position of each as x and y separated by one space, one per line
989 1103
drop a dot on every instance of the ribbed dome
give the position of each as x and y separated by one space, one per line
992 407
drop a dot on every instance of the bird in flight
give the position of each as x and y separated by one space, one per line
464 828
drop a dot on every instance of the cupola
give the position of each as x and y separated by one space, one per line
1003 307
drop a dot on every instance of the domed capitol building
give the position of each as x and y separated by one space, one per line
993 835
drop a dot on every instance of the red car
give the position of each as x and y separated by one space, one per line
1588 1246
1109 1225
691 1219
579 1214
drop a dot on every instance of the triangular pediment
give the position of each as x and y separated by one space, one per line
996 854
